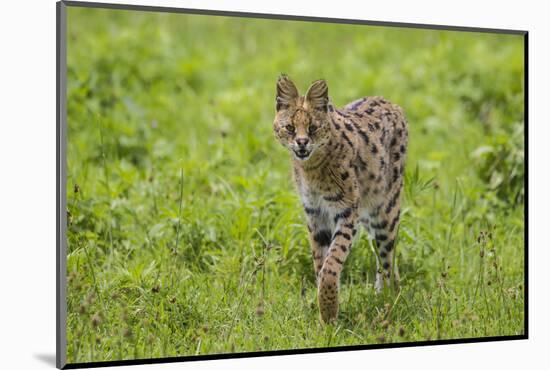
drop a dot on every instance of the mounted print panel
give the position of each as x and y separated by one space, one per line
237 184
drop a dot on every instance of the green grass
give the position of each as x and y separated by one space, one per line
185 234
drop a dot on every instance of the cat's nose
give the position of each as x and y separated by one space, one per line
303 141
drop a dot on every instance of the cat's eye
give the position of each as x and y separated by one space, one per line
290 128
312 128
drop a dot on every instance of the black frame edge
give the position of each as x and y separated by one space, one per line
526 183
222 356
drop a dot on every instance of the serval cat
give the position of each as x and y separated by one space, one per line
349 167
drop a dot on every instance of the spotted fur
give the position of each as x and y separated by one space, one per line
348 166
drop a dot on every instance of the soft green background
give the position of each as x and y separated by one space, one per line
185 233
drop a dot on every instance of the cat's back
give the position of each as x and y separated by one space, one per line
375 109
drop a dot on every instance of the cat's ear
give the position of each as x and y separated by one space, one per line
287 93
317 95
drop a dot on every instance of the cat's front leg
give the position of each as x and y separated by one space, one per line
320 235
329 276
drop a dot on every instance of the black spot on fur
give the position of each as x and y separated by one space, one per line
342 234
381 237
362 163
394 222
392 202
344 214
349 225
386 265
381 225
312 211
345 137
322 237
374 149
395 174
344 175
363 135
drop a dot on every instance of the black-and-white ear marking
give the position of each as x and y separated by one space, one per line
286 92
317 95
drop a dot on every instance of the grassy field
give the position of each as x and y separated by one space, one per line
185 233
